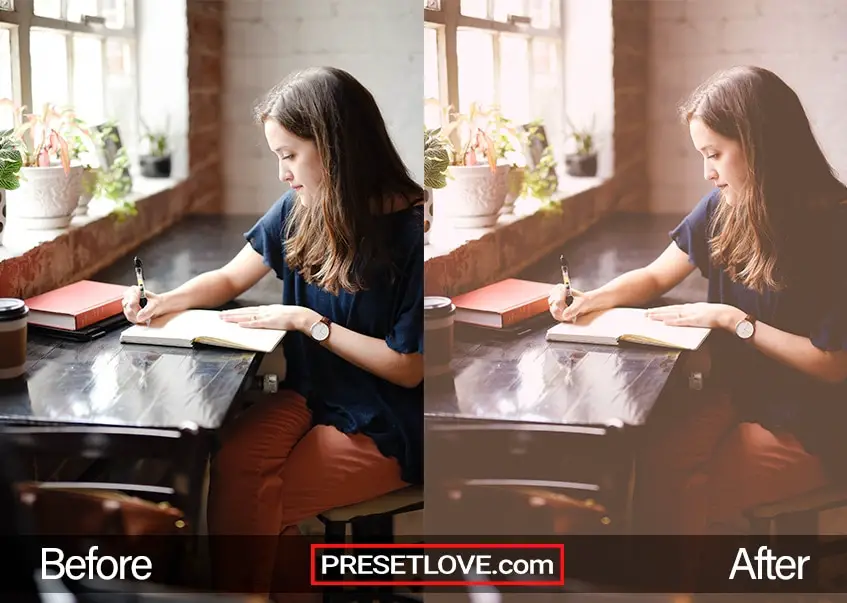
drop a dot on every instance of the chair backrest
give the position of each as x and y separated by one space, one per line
17 572
184 451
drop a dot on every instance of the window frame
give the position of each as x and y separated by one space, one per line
449 18
20 23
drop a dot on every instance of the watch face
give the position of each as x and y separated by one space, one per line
744 329
320 331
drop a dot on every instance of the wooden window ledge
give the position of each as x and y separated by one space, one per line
460 260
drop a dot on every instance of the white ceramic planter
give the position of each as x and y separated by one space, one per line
46 198
473 196
2 214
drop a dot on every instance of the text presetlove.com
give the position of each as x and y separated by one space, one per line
438 564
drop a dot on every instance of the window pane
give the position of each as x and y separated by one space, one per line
120 90
547 86
514 78
117 13
6 117
504 8
475 8
48 8
432 112
475 50
88 78
541 12
77 8
7 5
49 53
432 4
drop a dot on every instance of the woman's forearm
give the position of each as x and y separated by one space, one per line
369 353
632 288
792 350
208 290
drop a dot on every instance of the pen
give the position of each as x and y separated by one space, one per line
566 279
139 276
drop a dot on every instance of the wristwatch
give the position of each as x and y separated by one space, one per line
320 330
746 327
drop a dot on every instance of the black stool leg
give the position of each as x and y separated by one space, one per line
335 532
375 529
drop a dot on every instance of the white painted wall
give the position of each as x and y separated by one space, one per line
162 73
380 42
805 43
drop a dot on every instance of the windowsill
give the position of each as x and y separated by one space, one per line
444 239
461 260
19 241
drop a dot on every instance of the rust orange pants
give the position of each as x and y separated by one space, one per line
274 470
704 467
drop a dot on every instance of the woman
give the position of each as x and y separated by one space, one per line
347 243
770 241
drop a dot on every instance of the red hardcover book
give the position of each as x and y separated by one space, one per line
503 304
76 306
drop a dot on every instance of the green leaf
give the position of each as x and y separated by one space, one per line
9 182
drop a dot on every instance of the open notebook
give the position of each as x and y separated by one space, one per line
610 327
184 329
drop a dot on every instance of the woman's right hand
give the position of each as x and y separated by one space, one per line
132 305
561 311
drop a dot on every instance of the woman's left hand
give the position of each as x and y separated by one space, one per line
701 314
277 316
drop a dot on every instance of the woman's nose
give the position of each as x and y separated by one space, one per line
709 173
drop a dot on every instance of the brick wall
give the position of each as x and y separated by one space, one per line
803 42
631 20
83 251
510 248
205 89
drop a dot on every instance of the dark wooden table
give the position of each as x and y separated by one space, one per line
132 417
103 382
521 415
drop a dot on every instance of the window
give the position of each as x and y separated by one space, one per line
71 53
503 53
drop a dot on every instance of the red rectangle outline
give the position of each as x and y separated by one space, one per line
313 570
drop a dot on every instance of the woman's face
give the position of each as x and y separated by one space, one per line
299 161
724 163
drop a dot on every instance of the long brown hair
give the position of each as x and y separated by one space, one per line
336 240
761 237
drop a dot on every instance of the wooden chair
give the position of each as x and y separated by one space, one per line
371 521
184 450
800 516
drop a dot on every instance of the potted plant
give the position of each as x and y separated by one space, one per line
50 186
477 181
10 166
156 163
81 152
436 162
540 179
507 143
582 162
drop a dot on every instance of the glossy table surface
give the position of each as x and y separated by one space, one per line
104 382
524 378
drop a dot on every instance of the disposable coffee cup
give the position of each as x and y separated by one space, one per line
439 316
13 331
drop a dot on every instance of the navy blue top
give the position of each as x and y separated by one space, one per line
766 391
391 308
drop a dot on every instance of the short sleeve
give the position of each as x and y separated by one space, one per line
830 331
691 236
266 235
406 334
